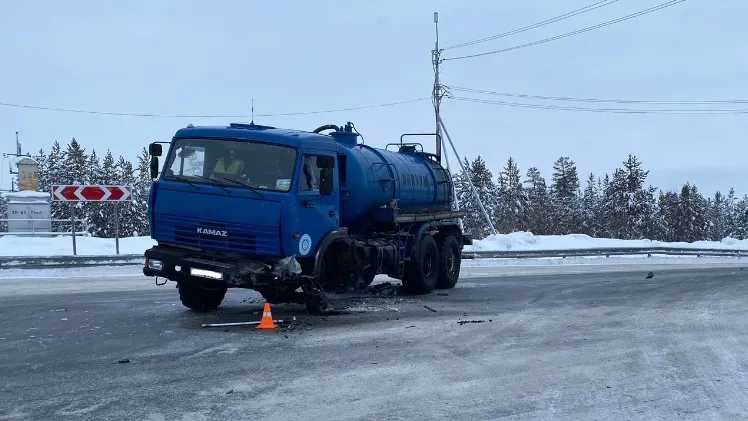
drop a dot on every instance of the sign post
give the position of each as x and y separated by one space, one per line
93 193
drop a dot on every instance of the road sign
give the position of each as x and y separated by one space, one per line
92 193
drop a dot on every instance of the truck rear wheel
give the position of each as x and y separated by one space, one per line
450 258
422 271
200 299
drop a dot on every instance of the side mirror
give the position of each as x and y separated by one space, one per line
325 182
154 167
154 149
325 162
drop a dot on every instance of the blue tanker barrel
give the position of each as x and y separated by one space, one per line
375 176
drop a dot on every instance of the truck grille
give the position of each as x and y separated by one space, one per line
240 238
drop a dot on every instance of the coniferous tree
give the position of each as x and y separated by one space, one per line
567 213
513 200
539 203
592 208
717 217
125 176
141 190
481 177
741 218
73 171
691 223
731 213
55 164
43 160
92 210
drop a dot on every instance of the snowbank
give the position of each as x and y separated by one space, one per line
63 246
528 241
20 246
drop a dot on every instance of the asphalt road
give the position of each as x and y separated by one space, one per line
575 346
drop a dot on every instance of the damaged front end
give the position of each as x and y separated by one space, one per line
277 281
179 264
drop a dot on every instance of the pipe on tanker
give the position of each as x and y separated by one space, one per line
326 127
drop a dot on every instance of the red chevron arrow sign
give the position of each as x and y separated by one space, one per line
91 193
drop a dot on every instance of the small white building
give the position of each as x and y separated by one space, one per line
29 210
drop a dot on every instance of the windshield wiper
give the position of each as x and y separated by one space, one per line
247 185
213 182
186 180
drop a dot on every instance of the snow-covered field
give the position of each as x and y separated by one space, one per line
63 245
528 241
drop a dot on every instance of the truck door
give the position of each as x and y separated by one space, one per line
319 196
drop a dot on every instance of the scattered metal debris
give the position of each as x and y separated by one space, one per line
462 322
236 323
385 288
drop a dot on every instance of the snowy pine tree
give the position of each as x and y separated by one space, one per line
592 208
513 202
54 168
731 213
718 225
141 190
538 211
125 175
44 182
691 223
481 177
741 219
93 210
73 171
566 206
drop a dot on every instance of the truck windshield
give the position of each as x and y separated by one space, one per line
219 161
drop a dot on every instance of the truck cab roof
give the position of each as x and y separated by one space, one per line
256 132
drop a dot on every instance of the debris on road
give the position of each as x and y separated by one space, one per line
462 322
385 288
235 323
650 275
429 308
124 361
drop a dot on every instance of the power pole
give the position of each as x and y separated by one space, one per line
437 92
437 95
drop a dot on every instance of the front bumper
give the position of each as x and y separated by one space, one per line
183 265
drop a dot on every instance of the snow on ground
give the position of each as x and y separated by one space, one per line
528 241
19 246
63 245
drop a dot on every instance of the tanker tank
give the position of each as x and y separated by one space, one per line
372 178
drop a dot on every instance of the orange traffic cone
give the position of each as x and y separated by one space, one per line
267 319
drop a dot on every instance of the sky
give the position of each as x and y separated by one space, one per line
188 57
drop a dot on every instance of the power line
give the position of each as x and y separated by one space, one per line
568 15
600 100
579 31
603 110
69 110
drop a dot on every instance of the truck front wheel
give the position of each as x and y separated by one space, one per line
200 299
422 271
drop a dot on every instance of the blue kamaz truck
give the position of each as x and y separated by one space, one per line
294 214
